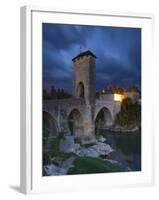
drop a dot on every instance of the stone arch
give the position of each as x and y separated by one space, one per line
80 90
103 118
75 123
50 128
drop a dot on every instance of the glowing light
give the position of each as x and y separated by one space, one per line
118 97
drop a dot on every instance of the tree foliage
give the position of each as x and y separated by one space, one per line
130 115
55 93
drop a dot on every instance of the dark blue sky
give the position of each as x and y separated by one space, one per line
118 52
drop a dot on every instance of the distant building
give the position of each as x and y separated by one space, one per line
119 93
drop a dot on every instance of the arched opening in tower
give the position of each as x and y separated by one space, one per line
75 123
80 90
50 130
103 119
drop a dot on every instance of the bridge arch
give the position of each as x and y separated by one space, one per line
80 90
50 128
103 118
75 123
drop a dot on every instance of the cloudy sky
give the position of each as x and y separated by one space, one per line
118 52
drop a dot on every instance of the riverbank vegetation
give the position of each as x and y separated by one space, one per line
130 115
89 165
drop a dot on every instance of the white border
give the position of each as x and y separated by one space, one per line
31 102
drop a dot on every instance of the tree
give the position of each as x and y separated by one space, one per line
126 104
45 94
130 115
53 92
58 93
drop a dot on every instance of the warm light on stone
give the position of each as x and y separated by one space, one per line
118 97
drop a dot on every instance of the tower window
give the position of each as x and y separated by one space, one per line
80 90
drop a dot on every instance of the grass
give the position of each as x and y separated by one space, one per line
89 165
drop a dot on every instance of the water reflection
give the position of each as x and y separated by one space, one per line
127 146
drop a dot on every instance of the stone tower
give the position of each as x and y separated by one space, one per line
84 77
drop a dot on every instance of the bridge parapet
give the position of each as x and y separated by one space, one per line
62 103
60 110
104 102
106 97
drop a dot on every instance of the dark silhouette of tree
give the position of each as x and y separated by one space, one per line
126 104
55 93
45 94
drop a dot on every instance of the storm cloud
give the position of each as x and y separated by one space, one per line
118 52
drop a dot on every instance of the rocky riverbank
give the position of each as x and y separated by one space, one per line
99 151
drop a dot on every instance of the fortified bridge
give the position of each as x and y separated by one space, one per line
83 113
74 116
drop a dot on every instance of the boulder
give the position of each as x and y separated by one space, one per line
102 148
88 152
86 141
101 139
68 163
67 144
96 150
54 170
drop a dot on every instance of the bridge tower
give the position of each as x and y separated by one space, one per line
84 77
84 86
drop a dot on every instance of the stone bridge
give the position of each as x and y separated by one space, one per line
83 113
74 117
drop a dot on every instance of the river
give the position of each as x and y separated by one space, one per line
127 146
